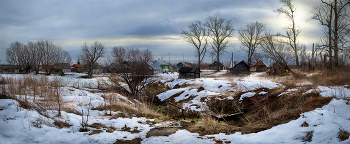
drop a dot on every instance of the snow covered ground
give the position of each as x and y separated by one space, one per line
18 125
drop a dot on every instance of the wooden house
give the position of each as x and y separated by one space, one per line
164 67
214 65
65 67
260 66
183 64
78 68
97 69
189 72
240 68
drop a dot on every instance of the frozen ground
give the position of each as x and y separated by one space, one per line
17 124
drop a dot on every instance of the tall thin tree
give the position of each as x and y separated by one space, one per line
220 30
197 35
250 37
292 32
91 54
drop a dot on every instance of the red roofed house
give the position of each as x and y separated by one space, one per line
260 66
183 64
78 68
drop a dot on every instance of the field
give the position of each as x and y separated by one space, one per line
216 108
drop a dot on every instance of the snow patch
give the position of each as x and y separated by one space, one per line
248 94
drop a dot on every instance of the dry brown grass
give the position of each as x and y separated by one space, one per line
153 90
97 125
133 141
127 110
61 124
95 132
343 135
71 110
208 126
267 110
270 110
333 77
227 106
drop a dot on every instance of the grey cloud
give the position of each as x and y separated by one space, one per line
24 21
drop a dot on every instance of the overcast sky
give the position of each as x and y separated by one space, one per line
144 24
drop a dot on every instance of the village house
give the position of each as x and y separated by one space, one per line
214 65
48 68
183 64
96 69
240 68
160 64
189 72
156 68
7 68
260 66
78 68
65 67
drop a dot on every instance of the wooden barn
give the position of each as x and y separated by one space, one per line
260 66
240 68
214 65
183 64
189 72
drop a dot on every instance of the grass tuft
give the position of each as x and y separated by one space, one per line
61 124
208 126
343 135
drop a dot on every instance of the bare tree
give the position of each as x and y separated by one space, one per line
60 56
21 55
256 57
132 69
324 15
292 32
57 90
35 56
47 49
91 54
250 38
276 50
13 54
197 35
334 16
219 31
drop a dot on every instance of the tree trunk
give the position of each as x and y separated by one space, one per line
336 18
218 62
90 71
199 62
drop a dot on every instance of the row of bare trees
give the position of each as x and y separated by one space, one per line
283 48
213 33
36 55
334 16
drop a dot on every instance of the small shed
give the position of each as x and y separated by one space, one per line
183 64
189 72
260 66
65 67
215 64
240 68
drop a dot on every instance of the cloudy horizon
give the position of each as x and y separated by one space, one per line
146 24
